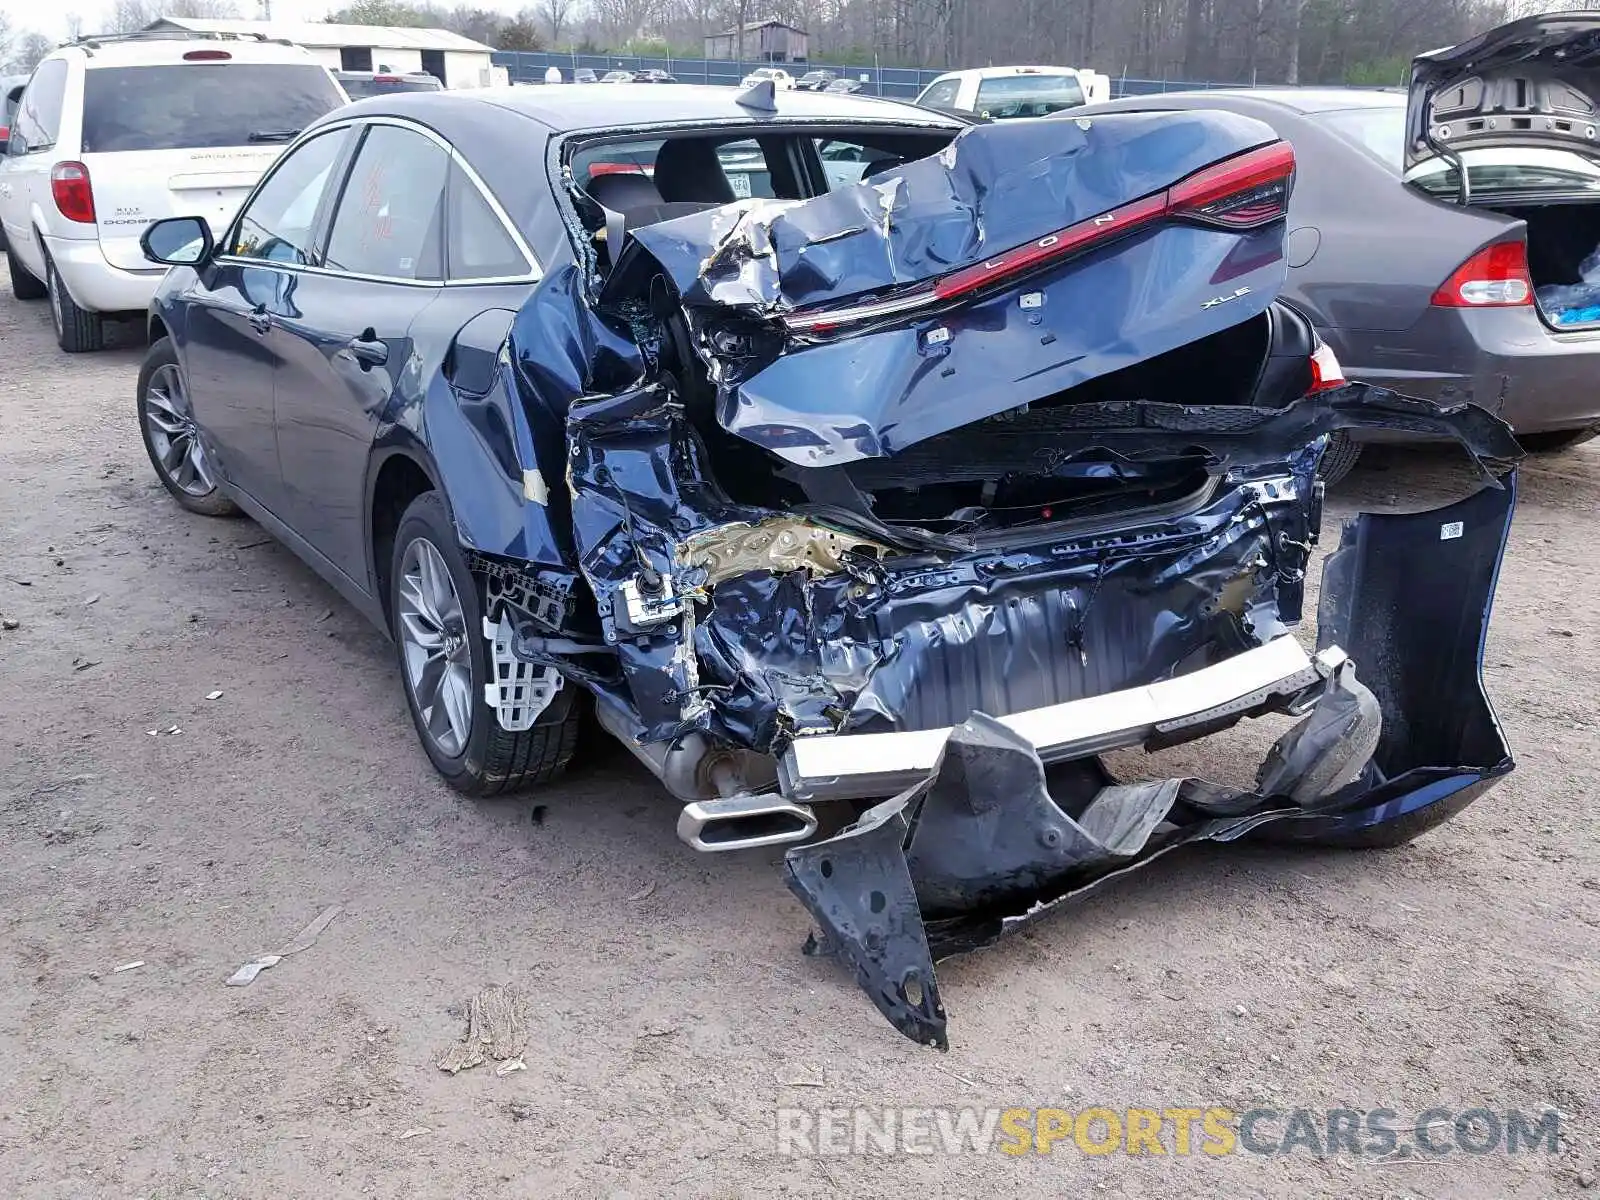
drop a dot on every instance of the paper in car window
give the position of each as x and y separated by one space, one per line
741 185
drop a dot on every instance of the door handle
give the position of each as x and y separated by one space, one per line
368 350
259 320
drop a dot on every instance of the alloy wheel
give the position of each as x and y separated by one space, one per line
433 639
172 433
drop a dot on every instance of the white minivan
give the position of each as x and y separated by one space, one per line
112 133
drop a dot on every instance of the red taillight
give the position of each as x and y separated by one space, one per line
1245 192
1495 277
69 187
206 56
1326 373
1114 224
386 79
5 133
612 168
1241 193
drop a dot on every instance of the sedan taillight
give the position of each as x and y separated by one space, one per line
1495 277
1326 373
70 189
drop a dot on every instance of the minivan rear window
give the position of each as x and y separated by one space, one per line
198 105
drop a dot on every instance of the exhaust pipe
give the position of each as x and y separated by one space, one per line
744 821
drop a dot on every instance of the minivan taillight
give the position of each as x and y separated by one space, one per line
69 187
1495 277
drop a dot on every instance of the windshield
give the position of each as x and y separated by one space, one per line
1010 96
1508 170
1378 132
200 105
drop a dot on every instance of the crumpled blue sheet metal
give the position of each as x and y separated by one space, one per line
994 187
992 839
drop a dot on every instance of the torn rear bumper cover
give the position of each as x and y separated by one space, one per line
993 834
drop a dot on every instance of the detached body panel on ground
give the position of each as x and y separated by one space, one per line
916 493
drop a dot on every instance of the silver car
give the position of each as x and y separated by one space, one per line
1439 288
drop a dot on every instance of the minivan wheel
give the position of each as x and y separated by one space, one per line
437 618
171 439
77 330
23 285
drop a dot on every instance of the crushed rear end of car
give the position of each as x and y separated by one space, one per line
923 494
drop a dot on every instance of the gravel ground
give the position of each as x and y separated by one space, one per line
668 1011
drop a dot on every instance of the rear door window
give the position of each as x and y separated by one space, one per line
1010 96
479 246
203 104
389 222
279 222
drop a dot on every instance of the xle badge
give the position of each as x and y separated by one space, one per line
1212 303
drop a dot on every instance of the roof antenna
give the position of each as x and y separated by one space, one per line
761 95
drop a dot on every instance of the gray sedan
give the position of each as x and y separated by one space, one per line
1479 297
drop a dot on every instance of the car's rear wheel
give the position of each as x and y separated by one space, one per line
1555 440
78 330
171 439
23 284
437 618
1339 459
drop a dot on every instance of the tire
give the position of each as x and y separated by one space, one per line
78 331
489 761
1339 458
23 285
165 421
1556 440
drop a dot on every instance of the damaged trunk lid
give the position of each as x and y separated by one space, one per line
1025 259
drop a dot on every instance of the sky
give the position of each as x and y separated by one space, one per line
50 18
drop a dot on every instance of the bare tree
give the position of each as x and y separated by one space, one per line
26 50
555 14
198 8
129 15
1291 41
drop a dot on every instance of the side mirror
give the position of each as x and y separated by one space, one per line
177 241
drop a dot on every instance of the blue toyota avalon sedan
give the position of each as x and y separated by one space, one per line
835 452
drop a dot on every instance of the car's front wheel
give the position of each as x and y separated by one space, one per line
77 329
437 617
171 439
